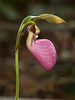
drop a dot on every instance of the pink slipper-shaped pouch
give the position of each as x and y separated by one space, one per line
44 52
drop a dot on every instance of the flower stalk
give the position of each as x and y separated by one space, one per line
17 75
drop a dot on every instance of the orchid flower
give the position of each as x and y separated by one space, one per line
42 49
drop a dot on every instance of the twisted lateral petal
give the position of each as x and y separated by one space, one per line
43 50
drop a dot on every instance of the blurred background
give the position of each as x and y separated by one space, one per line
36 82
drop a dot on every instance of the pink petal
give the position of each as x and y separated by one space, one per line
44 51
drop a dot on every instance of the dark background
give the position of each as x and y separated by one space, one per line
36 82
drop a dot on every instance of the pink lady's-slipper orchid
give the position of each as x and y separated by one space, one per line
42 49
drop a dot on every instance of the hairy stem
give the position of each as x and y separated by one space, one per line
17 75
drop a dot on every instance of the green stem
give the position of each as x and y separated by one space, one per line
17 75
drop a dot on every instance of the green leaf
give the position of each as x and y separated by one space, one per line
50 18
